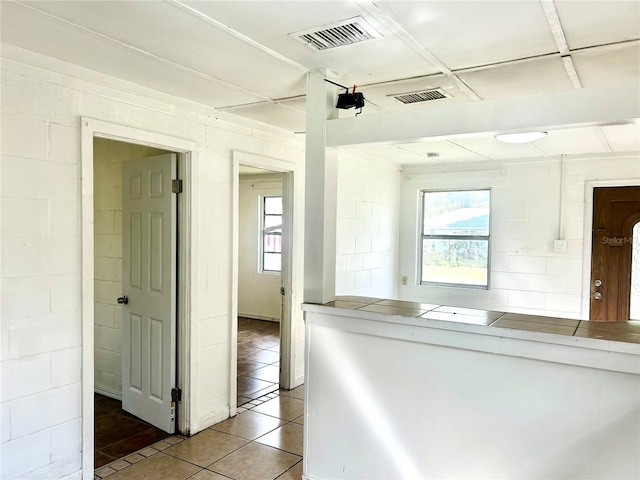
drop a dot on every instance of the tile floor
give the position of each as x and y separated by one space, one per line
263 442
258 359
118 433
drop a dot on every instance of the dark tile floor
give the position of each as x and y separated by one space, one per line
258 358
118 433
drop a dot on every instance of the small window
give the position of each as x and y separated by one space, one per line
454 238
271 238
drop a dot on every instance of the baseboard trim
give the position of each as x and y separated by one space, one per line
254 316
107 392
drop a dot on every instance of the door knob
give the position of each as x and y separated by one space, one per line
597 283
597 295
123 300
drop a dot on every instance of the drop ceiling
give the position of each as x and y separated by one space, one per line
239 57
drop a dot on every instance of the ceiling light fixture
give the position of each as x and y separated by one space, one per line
520 137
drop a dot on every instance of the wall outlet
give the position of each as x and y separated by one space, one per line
560 246
404 280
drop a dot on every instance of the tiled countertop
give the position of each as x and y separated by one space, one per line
626 332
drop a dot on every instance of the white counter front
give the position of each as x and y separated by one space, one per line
399 390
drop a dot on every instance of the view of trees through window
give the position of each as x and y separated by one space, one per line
271 247
455 237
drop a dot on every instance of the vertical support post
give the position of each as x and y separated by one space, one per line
321 188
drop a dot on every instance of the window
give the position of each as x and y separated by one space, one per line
454 238
271 244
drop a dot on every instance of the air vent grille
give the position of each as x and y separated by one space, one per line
423 96
347 32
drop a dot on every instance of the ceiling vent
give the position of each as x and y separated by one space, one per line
422 96
346 32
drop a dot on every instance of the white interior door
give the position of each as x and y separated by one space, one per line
149 284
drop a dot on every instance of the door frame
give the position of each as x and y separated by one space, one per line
188 162
291 178
589 187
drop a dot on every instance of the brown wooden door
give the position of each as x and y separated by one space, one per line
615 212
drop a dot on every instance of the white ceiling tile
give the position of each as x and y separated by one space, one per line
617 66
493 149
33 31
471 33
513 80
169 32
623 138
271 22
588 23
572 141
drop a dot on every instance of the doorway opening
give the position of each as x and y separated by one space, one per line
260 302
266 239
104 283
123 423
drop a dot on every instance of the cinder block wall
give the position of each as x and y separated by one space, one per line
527 276
43 100
367 226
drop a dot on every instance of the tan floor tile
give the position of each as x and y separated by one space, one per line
147 452
249 425
287 438
133 458
294 473
206 447
297 392
283 407
268 374
158 466
173 440
105 471
161 445
119 464
208 475
299 420
255 462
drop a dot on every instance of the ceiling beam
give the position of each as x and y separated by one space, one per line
548 111
553 19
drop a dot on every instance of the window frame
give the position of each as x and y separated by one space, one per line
263 233
422 237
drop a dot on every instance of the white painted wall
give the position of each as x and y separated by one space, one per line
367 226
108 157
527 276
42 102
258 293
392 398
